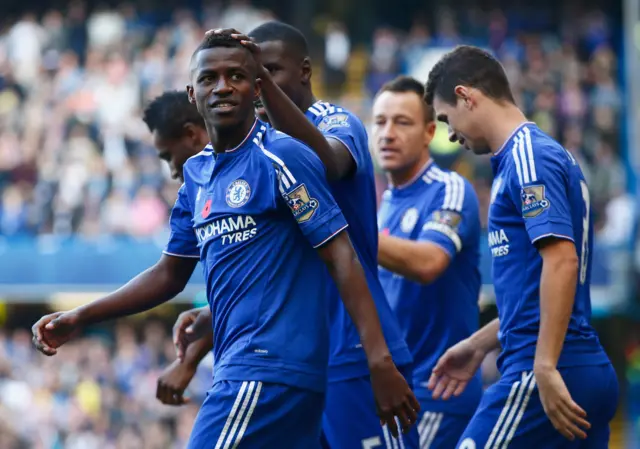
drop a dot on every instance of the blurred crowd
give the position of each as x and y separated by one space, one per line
75 157
97 393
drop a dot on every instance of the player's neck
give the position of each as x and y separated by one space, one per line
225 139
308 100
402 178
502 122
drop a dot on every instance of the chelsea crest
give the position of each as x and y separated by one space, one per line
238 193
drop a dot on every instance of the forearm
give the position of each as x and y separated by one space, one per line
149 289
285 116
350 279
486 338
557 292
418 261
198 350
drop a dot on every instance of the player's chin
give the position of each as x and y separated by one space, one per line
390 165
480 150
225 119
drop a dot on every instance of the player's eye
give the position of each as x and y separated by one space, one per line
236 77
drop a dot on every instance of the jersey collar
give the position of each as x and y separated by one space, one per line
253 132
506 143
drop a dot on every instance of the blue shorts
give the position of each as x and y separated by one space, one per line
440 430
511 414
252 415
350 419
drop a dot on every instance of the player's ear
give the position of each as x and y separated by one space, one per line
192 98
305 70
464 94
429 132
189 131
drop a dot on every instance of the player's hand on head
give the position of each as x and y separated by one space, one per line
567 417
455 369
173 382
53 330
189 327
394 398
246 41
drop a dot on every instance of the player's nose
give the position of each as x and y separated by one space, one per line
222 86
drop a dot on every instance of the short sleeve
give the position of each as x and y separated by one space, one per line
182 240
339 124
539 189
455 219
303 186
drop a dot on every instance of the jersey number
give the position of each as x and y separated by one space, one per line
585 233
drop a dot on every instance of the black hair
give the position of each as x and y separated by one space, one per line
469 66
213 40
169 112
275 31
404 84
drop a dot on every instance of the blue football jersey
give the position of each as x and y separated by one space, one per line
254 216
439 207
538 191
356 196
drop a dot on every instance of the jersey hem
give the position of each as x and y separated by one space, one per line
346 367
278 372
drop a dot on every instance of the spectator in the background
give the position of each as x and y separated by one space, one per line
337 48
25 43
384 59
99 393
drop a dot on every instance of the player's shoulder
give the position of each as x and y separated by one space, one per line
327 115
534 152
195 165
281 149
456 190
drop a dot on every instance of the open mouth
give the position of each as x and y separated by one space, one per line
223 106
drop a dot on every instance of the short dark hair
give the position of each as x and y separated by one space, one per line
469 66
275 31
404 84
214 40
169 112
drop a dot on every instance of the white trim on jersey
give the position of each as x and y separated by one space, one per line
428 428
181 255
513 133
514 408
389 440
453 189
322 109
522 152
237 415
280 163
331 236
203 152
